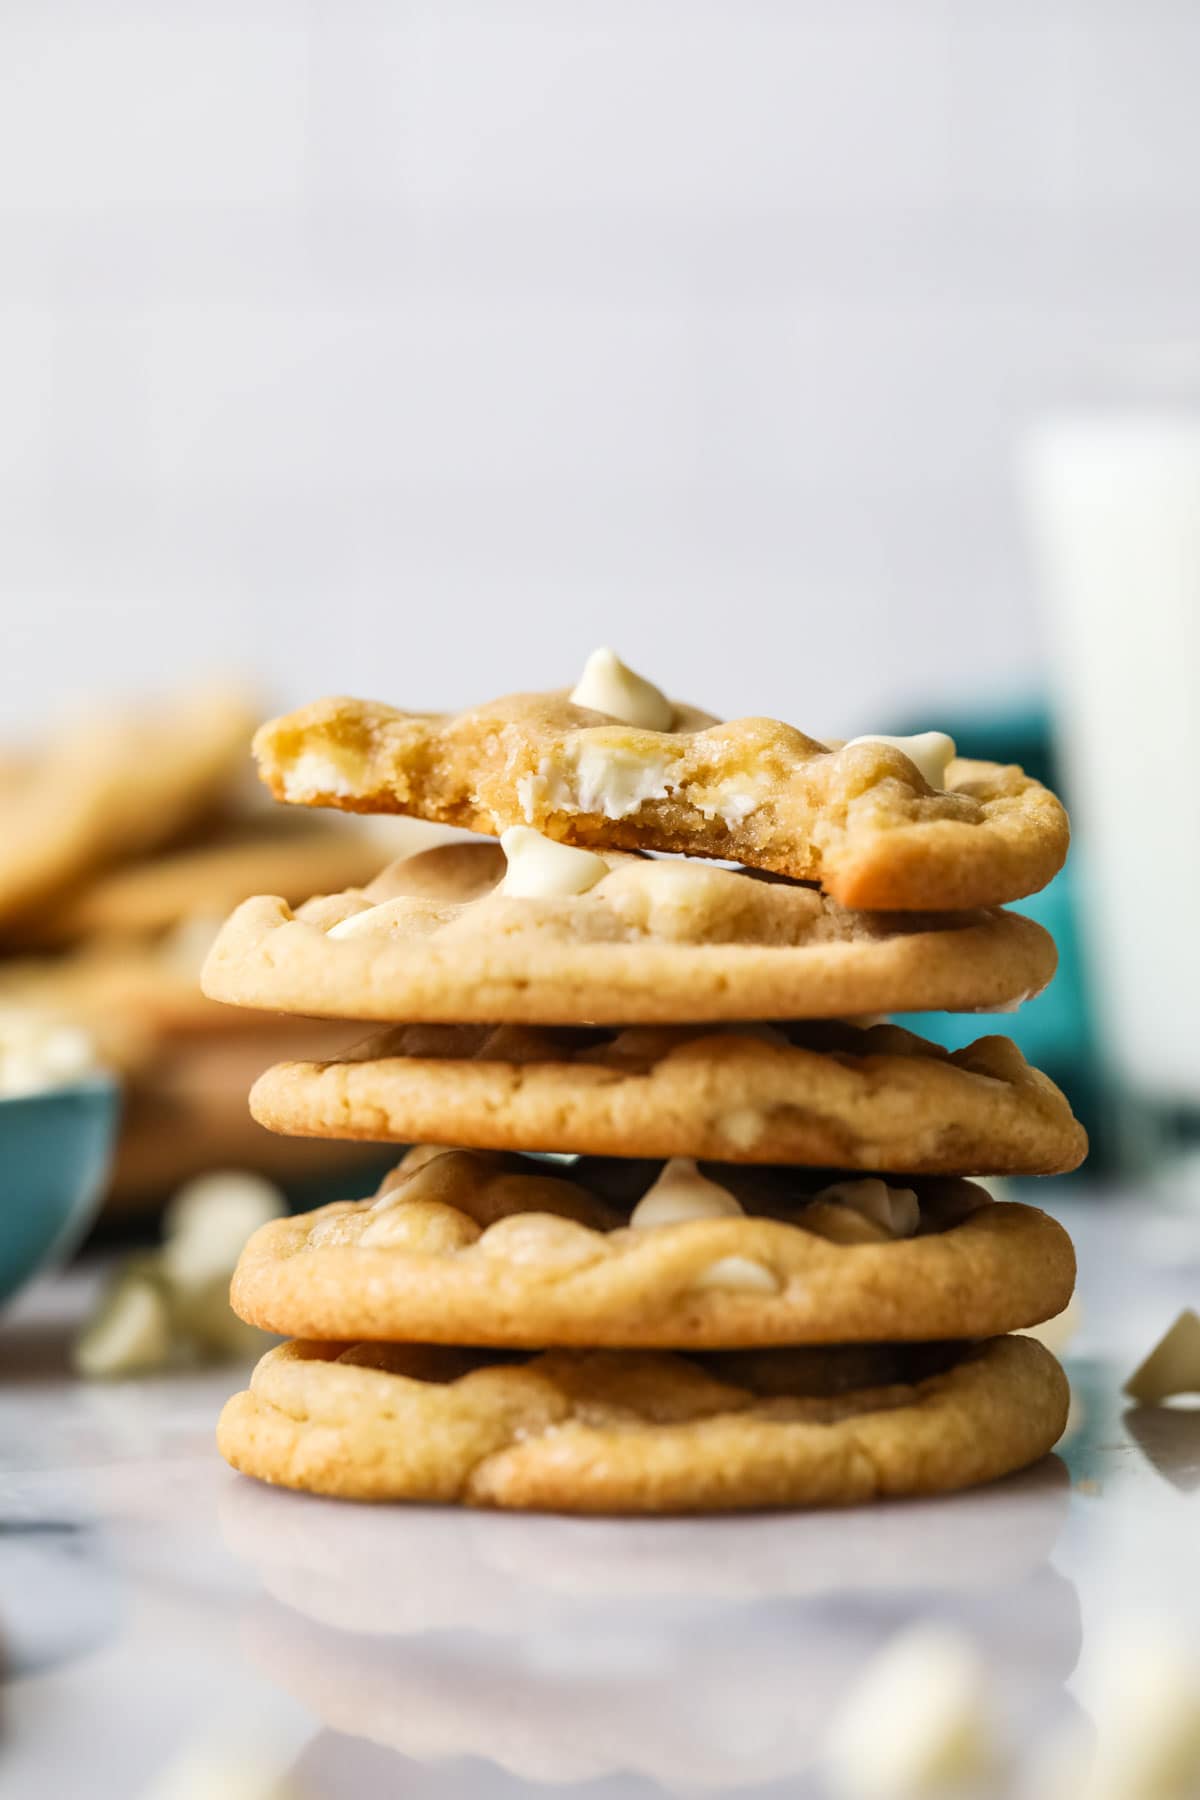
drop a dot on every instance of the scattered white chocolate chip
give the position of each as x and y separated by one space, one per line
739 1275
230 1773
930 752
1056 1333
172 1306
39 1051
608 685
130 1332
895 1209
208 1221
1149 1713
916 1723
681 1193
1172 1367
539 868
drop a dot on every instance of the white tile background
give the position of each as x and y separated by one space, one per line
413 346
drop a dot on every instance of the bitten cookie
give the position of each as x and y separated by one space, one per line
829 1095
461 1247
595 1432
862 819
441 936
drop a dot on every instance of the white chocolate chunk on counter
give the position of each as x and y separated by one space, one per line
917 1722
1172 1367
1149 1716
681 1193
541 869
895 1209
608 685
208 1221
930 752
130 1332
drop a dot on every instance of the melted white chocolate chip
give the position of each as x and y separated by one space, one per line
930 752
541 869
895 1209
681 1193
607 685
739 1275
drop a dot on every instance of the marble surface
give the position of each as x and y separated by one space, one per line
154 1607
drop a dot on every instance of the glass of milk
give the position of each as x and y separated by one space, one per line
1113 498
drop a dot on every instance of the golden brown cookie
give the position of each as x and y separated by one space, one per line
827 1094
436 937
116 786
461 1247
597 1432
860 820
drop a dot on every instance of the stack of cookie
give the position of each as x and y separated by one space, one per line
684 1229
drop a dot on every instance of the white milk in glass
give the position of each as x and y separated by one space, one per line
1115 505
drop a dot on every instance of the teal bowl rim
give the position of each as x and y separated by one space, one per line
101 1093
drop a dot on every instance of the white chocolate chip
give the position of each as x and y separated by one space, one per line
916 1722
738 1274
1172 1367
681 1193
615 779
130 1331
209 1220
39 1051
743 1126
607 685
930 752
896 1209
541 869
312 774
1149 1714
370 918
542 1240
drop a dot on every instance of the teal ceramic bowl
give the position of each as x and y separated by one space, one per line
55 1153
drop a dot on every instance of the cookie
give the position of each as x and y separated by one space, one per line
116 786
438 937
860 820
280 853
460 1247
827 1094
597 1432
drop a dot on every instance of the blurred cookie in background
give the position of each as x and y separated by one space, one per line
124 841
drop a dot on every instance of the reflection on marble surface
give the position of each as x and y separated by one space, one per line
150 1599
